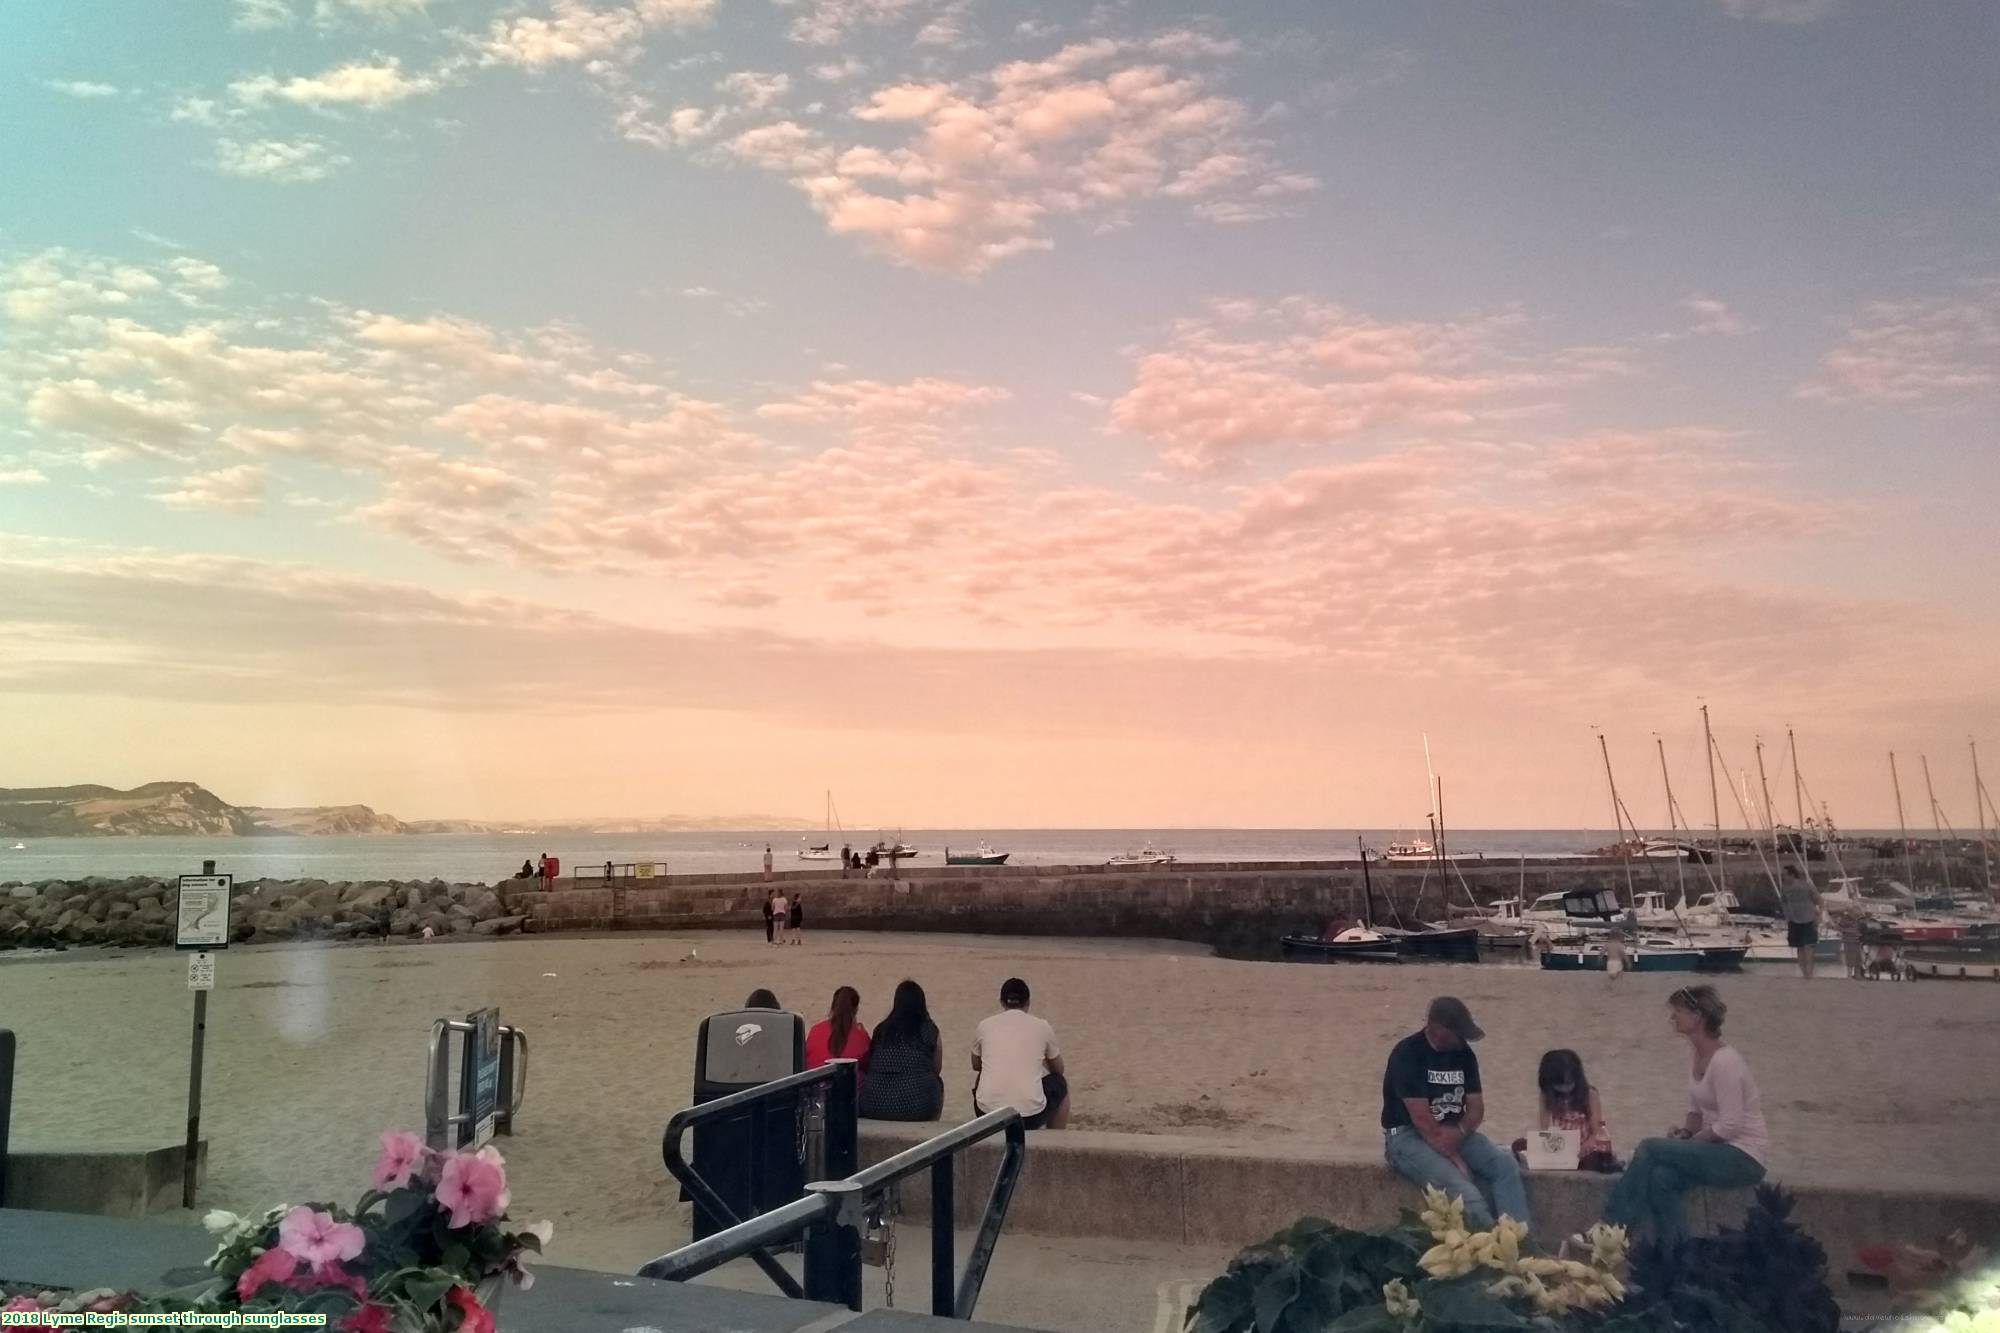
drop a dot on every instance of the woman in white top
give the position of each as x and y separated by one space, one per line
1722 1143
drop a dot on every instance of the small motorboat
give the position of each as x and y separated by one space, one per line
1414 850
1639 958
984 856
894 851
1145 856
819 851
20 846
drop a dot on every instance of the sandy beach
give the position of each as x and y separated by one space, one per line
312 1050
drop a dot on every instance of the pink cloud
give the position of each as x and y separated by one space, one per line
1915 351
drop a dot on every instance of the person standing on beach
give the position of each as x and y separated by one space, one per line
1801 916
1016 1062
1432 1107
798 919
779 913
767 860
1723 1142
770 917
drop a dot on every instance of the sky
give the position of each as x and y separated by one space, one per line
1002 414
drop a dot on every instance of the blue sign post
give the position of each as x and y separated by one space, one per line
479 1078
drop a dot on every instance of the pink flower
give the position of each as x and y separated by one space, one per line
329 1275
368 1319
473 1187
402 1154
19 1304
317 1238
271 1266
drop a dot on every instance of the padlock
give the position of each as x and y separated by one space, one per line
875 1249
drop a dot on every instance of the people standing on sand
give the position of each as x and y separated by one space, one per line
1016 1062
780 913
770 917
798 919
1432 1107
839 1036
905 1062
767 860
1801 916
1723 1142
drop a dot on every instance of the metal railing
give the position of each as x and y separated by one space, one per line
6 1103
611 872
440 1121
831 1215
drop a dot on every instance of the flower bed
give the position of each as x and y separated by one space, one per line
425 1250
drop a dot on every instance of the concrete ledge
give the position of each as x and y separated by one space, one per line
1195 1191
111 1182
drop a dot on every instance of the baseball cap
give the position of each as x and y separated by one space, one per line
1449 1012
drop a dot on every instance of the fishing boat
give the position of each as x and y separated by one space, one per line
1145 856
823 851
984 856
1415 849
894 851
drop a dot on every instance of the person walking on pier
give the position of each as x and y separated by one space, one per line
1432 1107
1802 907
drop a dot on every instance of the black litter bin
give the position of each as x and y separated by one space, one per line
752 1159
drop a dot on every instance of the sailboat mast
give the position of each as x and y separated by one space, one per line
1798 783
1909 865
1367 886
1680 858
1770 815
1437 803
1714 798
1944 866
1617 817
1980 804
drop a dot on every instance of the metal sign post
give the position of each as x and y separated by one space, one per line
201 924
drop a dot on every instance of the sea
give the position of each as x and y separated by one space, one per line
488 857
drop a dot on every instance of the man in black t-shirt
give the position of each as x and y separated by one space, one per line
1432 1108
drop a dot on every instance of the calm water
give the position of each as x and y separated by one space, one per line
483 857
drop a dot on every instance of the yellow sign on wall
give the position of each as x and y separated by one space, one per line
643 870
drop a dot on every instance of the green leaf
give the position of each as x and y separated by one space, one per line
1366 1319
1465 1302
426 1289
1273 1296
1224 1305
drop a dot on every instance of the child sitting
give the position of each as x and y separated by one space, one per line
1569 1102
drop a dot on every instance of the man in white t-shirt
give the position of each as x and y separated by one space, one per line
1018 1064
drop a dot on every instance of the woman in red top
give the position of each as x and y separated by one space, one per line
839 1036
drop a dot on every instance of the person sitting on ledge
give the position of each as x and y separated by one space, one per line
1017 1063
905 1062
1432 1108
1722 1143
527 870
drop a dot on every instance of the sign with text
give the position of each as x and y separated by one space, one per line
644 870
202 921
201 971
479 1078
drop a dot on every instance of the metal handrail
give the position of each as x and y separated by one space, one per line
439 1121
702 1192
620 870
831 1215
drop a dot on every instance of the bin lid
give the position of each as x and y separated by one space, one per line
750 1046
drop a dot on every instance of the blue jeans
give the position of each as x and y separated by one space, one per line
1495 1189
1662 1170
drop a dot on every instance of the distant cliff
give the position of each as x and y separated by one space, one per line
156 808
323 819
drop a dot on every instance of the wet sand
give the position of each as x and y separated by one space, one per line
313 1050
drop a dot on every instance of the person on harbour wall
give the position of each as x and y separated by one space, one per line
1432 1107
767 860
1802 910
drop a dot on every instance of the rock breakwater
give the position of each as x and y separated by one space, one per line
140 911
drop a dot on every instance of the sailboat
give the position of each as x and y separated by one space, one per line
823 851
1366 942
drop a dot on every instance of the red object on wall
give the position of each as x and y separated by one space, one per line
555 867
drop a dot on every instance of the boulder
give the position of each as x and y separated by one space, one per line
82 929
10 917
325 898
66 920
485 903
151 900
439 923
369 897
76 902
118 911
150 915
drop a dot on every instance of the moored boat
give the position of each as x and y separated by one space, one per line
1642 958
984 856
1145 856
1356 944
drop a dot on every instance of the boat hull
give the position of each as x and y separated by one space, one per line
997 859
1588 960
1457 945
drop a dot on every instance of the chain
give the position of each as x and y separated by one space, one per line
889 1269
